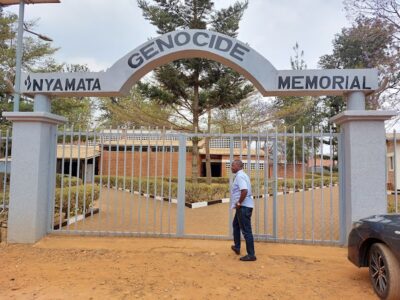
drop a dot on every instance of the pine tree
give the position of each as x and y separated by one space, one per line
295 113
191 87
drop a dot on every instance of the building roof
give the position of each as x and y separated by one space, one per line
76 152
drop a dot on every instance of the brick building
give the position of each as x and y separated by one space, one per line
134 157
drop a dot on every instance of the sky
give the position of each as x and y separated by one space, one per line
99 32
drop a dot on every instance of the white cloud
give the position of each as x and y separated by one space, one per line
101 31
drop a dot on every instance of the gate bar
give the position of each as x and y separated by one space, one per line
180 226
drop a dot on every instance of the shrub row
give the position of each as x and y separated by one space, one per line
66 179
84 198
201 191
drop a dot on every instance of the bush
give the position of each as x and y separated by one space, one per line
203 191
65 179
84 199
217 191
193 192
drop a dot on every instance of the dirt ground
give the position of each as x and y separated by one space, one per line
73 267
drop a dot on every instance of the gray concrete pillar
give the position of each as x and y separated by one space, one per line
356 101
32 172
364 161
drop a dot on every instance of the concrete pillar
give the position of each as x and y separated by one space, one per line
356 101
32 171
364 161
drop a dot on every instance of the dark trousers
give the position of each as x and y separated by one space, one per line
242 222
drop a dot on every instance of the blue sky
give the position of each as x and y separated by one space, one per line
99 32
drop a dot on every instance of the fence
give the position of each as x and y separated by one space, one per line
393 167
5 168
132 182
125 182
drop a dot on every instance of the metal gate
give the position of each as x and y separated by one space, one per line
138 182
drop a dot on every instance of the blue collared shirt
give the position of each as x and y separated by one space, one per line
241 182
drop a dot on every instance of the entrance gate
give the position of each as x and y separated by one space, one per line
363 182
125 182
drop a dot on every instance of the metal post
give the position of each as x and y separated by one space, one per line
275 187
18 62
231 146
342 200
180 218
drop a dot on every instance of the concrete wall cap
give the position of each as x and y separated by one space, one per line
43 117
362 115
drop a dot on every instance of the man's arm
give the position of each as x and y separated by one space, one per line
243 194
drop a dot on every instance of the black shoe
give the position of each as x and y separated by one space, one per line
237 251
248 258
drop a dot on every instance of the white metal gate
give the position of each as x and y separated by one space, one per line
138 182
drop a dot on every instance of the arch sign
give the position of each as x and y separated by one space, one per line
118 79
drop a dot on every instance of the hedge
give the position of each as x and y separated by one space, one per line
201 191
66 179
75 194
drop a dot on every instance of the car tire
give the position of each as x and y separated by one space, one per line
384 272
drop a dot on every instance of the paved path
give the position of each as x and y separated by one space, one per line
122 212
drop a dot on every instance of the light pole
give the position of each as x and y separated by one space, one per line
18 63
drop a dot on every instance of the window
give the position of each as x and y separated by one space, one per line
223 143
253 166
391 163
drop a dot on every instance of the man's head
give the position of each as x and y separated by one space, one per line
236 166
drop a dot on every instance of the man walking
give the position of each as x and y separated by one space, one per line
242 201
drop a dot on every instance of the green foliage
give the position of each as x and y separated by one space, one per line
202 191
133 111
297 112
392 204
83 196
66 181
191 87
368 43
77 110
37 56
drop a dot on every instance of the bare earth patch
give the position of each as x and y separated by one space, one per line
60 267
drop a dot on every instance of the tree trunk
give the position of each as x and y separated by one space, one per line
207 145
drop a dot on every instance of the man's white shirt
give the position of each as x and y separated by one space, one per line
241 182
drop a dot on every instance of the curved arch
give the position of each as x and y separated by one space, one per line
119 78
191 44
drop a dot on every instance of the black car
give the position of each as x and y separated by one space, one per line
374 242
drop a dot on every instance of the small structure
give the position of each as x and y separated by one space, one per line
393 160
78 160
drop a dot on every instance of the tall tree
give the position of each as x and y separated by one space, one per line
77 110
134 111
295 113
388 13
190 87
37 56
251 114
368 43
